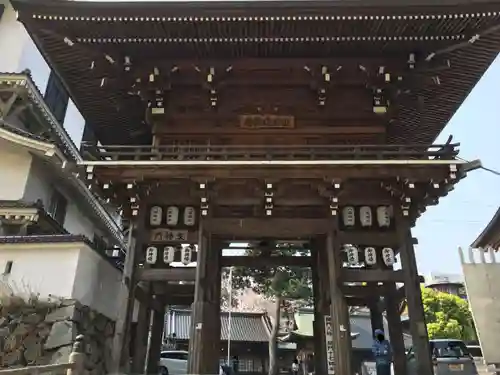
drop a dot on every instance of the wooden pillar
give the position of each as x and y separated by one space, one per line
204 350
120 351
141 337
395 329
376 318
339 310
320 296
153 354
418 327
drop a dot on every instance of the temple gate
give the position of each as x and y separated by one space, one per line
211 123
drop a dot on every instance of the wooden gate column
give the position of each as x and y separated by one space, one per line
395 329
418 327
157 326
339 310
141 339
320 278
204 350
126 298
376 318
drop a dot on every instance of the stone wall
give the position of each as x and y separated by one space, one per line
39 333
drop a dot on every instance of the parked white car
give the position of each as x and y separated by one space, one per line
175 362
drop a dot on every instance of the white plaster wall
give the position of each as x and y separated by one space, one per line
69 270
47 269
77 223
482 280
39 185
14 168
13 37
97 283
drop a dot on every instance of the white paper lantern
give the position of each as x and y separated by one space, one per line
186 255
155 215
190 216
151 255
388 256
352 256
365 216
172 215
383 216
168 254
370 256
349 216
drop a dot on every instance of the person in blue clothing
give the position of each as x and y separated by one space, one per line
382 353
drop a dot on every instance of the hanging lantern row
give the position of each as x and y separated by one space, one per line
388 256
383 216
187 254
172 216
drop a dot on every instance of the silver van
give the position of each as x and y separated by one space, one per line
450 357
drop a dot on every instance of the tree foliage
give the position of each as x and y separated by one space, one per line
447 316
289 283
229 297
287 286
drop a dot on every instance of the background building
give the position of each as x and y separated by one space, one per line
447 283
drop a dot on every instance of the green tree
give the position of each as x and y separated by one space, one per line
447 316
229 299
288 287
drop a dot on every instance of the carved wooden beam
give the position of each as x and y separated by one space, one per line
363 275
265 261
167 274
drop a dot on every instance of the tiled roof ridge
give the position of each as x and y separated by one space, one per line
20 203
487 231
46 238
24 133
55 238
58 129
255 314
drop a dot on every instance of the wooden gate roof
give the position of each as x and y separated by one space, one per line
87 42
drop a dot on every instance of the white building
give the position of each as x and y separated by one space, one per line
56 237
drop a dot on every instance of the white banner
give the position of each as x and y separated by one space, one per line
329 345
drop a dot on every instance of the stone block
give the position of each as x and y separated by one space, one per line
61 334
33 318
12 358
70 312
32 348
4 331
61 355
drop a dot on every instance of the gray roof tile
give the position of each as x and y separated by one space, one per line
249 327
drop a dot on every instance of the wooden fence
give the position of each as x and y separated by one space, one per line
75 365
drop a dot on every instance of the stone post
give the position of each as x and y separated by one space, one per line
77 358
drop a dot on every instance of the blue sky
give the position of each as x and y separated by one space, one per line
462 215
